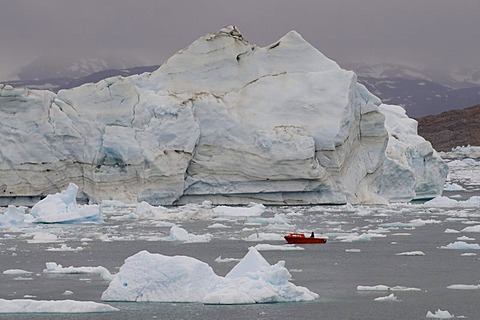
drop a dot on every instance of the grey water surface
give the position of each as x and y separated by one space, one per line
328 269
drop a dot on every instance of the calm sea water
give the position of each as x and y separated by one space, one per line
328 270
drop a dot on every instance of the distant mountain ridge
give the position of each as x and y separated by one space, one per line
457 78
57 84
74 66
421 97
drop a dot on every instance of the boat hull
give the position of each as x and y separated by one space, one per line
301 239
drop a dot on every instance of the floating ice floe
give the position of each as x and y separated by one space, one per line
359 237
52 306
440 314
382 287
270 247
43 237
13 217
16 272
390 297
411 224
445 202
54 268
453 187
62 208
411 253
461 245
181 235
65 248
465 238
475 228
155 277
218 226
263 236
464 286
221 260
451 231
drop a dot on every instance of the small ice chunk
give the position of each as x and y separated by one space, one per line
464 286
461 245
181 235
411 253
53 267
440 314
382 287
270 247
390 297
16 271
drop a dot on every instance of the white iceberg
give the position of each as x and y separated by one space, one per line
155 277
62 208
440 314
54 268
13 217
461 245
182 235
223 120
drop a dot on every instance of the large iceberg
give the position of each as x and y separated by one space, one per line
155 277
222 120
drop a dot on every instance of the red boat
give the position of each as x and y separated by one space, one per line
299 238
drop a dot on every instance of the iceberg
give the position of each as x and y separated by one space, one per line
222 120
62 208
155 277
13 217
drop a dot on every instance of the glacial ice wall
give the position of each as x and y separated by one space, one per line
223 120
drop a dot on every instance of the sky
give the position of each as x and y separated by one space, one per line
439 34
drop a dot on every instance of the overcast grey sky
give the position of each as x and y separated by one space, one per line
440 33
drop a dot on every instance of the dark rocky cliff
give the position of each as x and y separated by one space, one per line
452 128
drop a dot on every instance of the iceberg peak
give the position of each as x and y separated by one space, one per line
230 30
